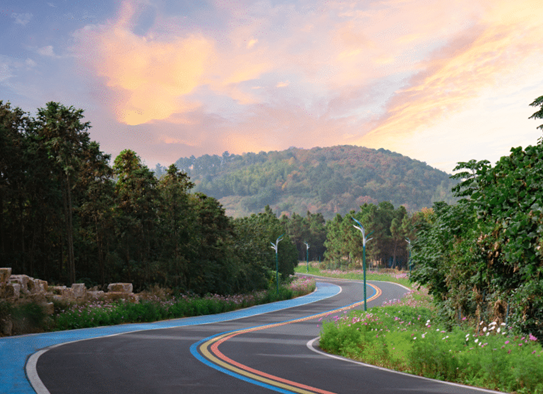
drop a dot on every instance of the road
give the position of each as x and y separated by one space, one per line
257 354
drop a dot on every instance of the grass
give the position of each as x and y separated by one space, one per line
407 336
396 276
160 305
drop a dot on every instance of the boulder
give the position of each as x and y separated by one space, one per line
118 295
43 284
79 290
5 273
95 295
12 290
57 289
120 287
22 280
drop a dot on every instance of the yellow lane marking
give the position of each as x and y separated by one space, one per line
246 371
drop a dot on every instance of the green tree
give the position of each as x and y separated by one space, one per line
538 102
65 137
136 209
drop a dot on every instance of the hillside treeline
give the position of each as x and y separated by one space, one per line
66 215
388 228
321 180
483 257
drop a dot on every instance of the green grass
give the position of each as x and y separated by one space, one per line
408 337
397 277
161 306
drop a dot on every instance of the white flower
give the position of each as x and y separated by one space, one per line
487 334
484 329
477 340
414 338
481 322
498 330
437 329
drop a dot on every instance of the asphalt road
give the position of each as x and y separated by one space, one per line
272 354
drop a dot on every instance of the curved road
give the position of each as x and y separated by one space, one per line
255 354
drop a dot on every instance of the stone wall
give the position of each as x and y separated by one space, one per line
21 288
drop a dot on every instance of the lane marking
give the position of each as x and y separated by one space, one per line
24 347
216 359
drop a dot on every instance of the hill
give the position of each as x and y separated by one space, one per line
326 180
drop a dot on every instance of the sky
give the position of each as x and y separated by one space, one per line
438 81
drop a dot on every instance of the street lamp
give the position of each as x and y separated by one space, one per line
364 240
307 256
274 247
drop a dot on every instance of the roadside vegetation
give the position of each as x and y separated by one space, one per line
154 305
409 336
385 275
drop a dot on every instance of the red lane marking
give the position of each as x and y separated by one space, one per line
219 354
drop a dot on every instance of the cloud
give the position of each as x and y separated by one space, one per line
46 51
456 74
369 73
22 19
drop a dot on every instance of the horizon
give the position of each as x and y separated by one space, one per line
437 82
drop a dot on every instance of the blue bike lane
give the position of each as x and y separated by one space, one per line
15 351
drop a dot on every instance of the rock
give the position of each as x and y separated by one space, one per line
22 280
43 284
57 289
67 293
12 290
120 287
5 273
79 290
35 286
118 295
95 295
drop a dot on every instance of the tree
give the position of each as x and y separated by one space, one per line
64 138
136 208
538 102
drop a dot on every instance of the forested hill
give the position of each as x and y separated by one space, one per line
326 180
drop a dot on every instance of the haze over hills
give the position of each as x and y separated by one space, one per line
326 180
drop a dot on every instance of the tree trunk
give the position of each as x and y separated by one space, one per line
69 231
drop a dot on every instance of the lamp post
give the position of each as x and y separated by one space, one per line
274 247
307 256
364 240
409 261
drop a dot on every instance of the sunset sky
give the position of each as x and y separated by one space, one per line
439 81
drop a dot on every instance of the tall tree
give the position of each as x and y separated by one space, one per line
65 137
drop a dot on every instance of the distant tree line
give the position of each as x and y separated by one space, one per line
321 180
66 215
389 228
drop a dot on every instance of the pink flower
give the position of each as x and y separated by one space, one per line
506 342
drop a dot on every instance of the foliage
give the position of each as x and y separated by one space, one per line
388 228
483 256
408 336
321 180
383 275
67 216
155 307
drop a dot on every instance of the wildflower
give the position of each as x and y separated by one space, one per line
414 338
477 340
532 338
506 342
